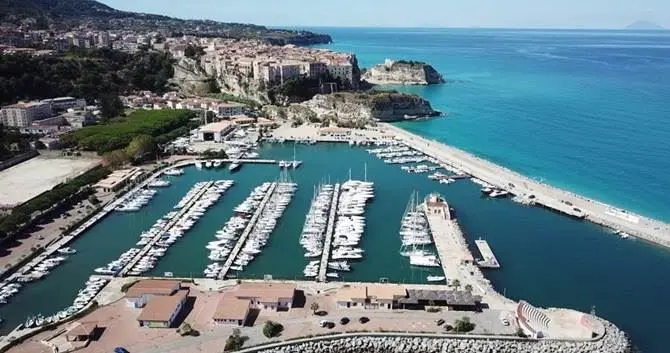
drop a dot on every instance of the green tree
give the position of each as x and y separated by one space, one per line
314 307
464 325
272 329
116 158
93 200
110 106
456 283
234 341
468 288
141 147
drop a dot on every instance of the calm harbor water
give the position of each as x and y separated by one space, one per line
548 259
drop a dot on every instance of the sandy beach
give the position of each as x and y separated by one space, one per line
525 189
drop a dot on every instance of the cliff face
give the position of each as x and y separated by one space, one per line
403 72
356 109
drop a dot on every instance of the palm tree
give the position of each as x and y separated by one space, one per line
314 307
456 283
468 288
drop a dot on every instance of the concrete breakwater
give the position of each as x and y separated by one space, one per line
614 341
532 191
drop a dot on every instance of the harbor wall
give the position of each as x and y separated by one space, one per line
531 191
614 341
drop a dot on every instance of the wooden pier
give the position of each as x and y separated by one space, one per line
245 234
329 234
489 259
167 227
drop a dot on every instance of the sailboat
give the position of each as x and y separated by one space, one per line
294 163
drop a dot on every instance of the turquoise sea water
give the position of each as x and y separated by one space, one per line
583 110
547 259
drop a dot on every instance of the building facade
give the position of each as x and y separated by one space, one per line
23 114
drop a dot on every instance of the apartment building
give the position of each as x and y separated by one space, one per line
24 113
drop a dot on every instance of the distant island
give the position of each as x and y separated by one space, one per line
403 72
54 15
644 25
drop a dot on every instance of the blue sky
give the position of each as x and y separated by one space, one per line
413 13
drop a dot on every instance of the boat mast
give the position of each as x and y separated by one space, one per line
365 170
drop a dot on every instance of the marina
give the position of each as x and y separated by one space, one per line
506 223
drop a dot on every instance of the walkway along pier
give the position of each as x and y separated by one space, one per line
245 234
455 256
489 260
167 227
329 234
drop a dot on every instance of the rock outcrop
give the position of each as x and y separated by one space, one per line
356 109
403 73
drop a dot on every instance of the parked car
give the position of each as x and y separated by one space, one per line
120 350
363 319
439 322
504 321
323 323
344 321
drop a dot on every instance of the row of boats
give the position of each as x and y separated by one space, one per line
84 297
490 190
416 238
313 233
163 238
216 163
38 271
265 225
401 154
349 228
174 172
136 200
168 229
229 235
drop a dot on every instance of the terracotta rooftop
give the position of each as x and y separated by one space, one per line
231 308
160 308
216 127
265 292
152 286
351 292
386 291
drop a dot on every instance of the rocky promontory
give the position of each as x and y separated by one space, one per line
404 73
356 109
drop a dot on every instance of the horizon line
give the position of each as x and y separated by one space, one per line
470 27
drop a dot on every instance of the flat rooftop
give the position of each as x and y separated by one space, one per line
26 180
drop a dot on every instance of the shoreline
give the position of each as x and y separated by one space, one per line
545 195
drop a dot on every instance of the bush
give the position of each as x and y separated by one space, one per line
464 325
234 341
272 329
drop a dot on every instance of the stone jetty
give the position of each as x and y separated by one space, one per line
614 341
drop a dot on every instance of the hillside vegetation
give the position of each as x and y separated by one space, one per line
162 125
87 74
